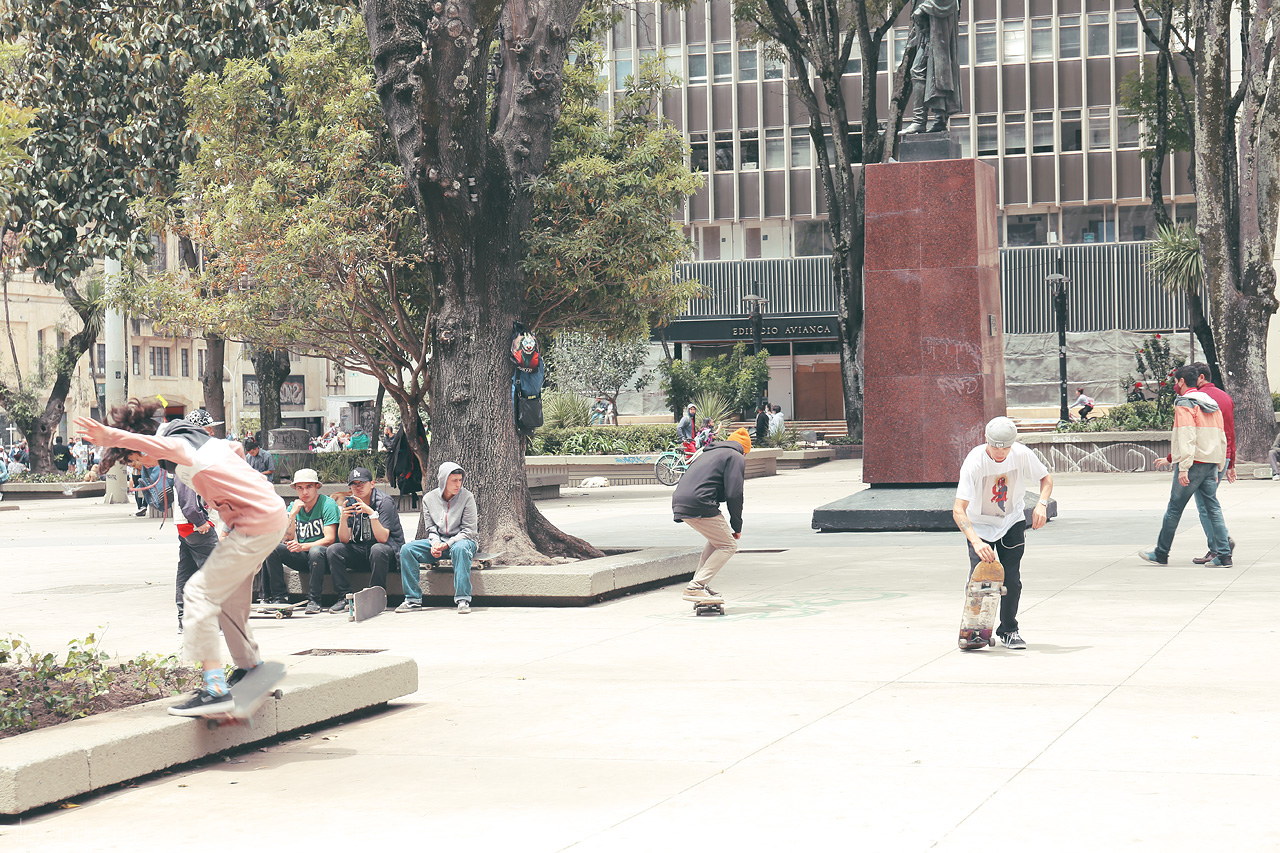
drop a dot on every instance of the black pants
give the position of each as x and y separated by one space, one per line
313 560
1084 412
1009 550
378 558
193 550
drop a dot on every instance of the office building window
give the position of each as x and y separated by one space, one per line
697 68
812 237
985 41
775 149
773 68
698 156
722 62
854 63
137 361
960 131
1042 38
160 252
101 356
622 69
186 362
799 147
1100 129
1100 35
962 43
1069 37
200 363
1015 134
747 64
1126 32
1015 42
900 44
988 136
1042 133
1127 130
1069 125
749 158
673 59
724 151
159 358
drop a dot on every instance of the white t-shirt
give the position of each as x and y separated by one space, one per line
995 490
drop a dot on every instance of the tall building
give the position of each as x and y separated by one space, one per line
1040 88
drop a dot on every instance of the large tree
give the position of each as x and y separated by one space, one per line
818 37
472 151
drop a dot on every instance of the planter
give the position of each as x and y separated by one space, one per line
847 451
1099 452
791 459
52 491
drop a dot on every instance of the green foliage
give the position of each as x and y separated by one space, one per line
607 440
602 241
1138 98
47 477
15 128
599 366
842 439
1156 365
786 438
712 406
68 688
1275 401
736 377
1175 257
1127 417
332 467
562 410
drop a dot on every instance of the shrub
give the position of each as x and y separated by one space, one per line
736 377
1128 417
589 441
1275 402
712 405
561 410
332 467
842 439
55 477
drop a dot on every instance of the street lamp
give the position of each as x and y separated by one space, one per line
1058 288
755 302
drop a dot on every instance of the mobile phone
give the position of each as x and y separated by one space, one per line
351 501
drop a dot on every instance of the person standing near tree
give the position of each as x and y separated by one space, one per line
762 422
688 424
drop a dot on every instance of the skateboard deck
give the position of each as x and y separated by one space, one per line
249 694
278 611
481 560
707 608
366 604
981 606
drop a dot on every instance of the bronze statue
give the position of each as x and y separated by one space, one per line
935 74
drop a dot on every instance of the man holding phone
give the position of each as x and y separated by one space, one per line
369 533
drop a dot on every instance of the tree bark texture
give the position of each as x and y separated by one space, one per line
468 156
271 366
41 430
1238 192
215 399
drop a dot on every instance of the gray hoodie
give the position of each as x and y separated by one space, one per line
450 521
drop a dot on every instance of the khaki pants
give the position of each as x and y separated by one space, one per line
720 546
221 593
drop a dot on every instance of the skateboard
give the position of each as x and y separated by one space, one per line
981 606
366 604
481 560
706 608
278 611
249 695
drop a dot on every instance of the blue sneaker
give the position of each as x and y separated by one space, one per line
1153 557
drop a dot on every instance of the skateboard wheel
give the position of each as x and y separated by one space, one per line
1003 589
279 614
991 642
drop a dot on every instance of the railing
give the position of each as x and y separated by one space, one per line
1111 287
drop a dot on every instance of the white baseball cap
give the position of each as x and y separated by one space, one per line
305 475
1001 432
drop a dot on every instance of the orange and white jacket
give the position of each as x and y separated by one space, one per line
1198 431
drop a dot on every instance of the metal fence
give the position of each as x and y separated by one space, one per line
1110 287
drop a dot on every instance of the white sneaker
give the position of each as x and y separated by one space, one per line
408 606
700 594
464 606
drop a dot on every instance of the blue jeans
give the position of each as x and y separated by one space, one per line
419 551
1203 485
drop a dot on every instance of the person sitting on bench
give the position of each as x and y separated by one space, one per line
313 527
369 532
446 527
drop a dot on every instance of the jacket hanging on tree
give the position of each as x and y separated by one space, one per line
526 379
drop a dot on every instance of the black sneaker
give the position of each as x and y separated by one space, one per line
140 513
314 607
203 704
1012 640
1153 556
234 678
340 607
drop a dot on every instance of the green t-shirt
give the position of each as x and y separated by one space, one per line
309 526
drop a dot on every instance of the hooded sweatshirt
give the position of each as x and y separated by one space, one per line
1199 434
216 469
715 477
448 521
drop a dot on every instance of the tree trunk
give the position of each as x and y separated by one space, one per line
376 437
55 408
215 400
1204 336
272 368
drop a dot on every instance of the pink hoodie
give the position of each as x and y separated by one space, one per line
218 472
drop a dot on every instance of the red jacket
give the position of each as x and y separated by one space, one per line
1227 407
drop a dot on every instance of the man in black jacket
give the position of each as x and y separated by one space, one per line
762 421
715 477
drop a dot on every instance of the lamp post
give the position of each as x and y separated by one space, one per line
1058 288
755 302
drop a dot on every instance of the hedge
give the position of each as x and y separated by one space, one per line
603 440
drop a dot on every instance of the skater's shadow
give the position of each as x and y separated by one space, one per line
1049 649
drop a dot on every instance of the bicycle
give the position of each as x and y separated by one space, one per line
670 466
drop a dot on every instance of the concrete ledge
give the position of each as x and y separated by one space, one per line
48 765
791 459
901 508
52 491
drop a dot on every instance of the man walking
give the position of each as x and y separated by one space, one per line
990 512
1199 455
446 527
1228 408
715 477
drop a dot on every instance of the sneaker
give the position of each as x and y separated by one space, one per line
203 704
464 606
234 678
140 513
340 607
313 607
700 594
1200 561
279 599
179 624
1221 562
1153 557
1012 640
409 605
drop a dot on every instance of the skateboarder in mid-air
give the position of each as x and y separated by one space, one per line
715 477
989 512
221 592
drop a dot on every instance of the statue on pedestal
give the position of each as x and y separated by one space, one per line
935 74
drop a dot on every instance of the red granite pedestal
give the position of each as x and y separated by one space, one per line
933 351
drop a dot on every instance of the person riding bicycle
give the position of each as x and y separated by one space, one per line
706 435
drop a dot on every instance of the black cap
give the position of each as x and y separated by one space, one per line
360 475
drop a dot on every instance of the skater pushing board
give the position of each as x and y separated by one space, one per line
247 695
981 606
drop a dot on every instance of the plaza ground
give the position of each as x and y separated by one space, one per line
829 710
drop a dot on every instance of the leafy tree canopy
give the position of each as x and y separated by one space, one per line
735 377
1138 97
598 366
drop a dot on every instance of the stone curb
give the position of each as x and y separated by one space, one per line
48 765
